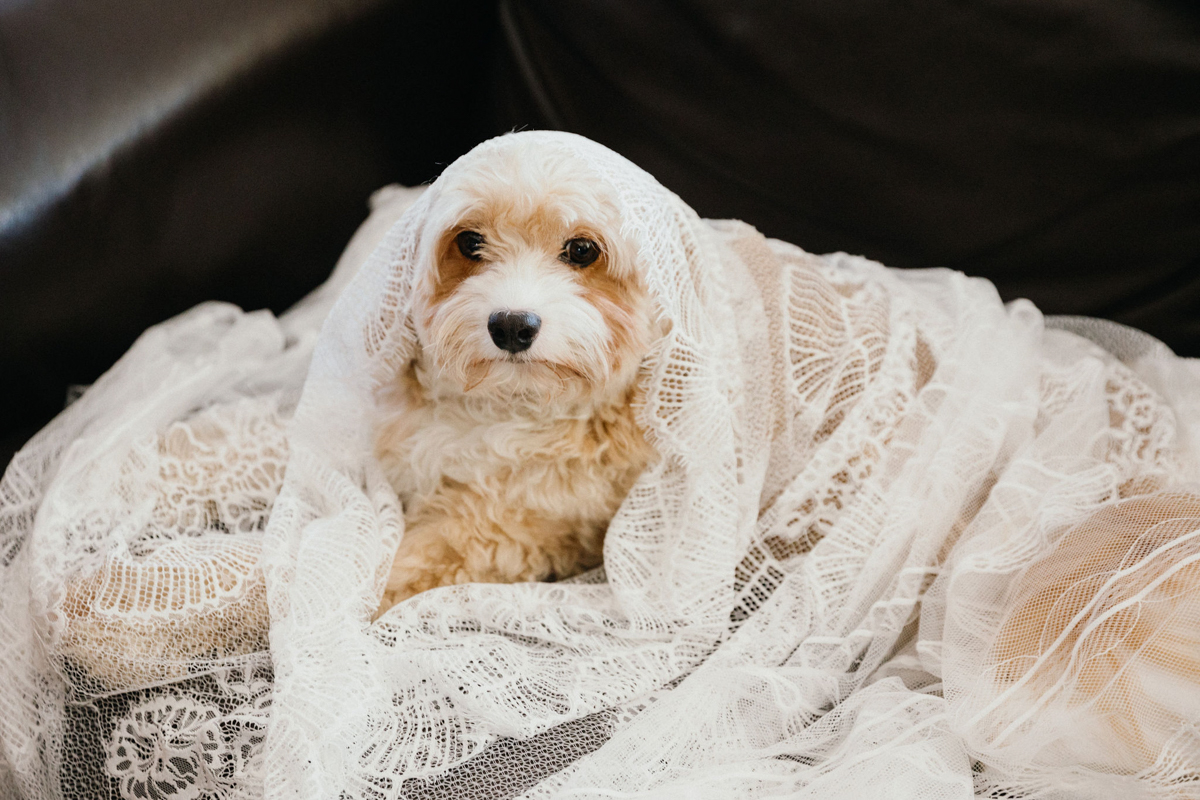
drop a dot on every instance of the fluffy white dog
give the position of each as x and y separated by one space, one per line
511 437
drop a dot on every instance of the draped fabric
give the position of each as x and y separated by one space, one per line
902 540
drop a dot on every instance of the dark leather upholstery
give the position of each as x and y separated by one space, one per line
1052 146
245 191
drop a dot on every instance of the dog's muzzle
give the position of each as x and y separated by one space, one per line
514 331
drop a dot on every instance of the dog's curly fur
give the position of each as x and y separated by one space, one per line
510 465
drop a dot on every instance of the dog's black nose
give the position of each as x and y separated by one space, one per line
514 331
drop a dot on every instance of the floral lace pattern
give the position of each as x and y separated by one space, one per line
168 746
186 746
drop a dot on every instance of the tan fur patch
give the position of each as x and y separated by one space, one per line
452 266
1140 624
617 300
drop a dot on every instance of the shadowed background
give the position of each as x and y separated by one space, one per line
155 155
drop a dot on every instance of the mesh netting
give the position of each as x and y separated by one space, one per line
901 540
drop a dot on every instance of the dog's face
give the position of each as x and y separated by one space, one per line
531 289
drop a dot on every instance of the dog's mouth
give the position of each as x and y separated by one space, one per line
516 368
519 358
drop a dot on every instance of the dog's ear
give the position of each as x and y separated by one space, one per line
429 247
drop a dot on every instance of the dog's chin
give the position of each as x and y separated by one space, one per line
521 378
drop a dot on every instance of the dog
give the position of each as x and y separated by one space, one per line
512 436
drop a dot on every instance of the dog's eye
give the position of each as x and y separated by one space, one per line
581 252
469 244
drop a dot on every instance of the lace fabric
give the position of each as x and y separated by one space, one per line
903 539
